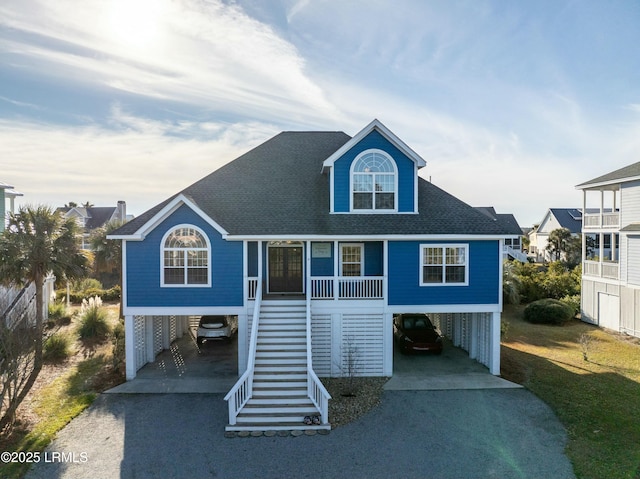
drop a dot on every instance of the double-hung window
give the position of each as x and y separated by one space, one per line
351 259
446 264
185 258
373 182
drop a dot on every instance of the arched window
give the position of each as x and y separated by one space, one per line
373 182
186 257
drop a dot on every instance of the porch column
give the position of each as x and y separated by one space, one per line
494 359
336 271
129 348
260 266
243 347
473 336
148 340
307 270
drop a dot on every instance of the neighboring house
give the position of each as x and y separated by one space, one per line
314 240
7 193
611 251
555 218
513 244
93 217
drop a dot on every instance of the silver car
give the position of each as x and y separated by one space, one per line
215 327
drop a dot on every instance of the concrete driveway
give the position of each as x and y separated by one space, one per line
482 433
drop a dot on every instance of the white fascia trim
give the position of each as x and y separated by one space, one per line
164 213
388 134
183 310
607 183
444 308
366 237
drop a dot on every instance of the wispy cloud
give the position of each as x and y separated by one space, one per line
138 160
208 54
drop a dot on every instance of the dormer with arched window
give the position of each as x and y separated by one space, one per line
374 173
374 183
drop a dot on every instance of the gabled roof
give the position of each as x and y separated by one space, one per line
627 173
570 218
507 220
386 133
95 216
277 189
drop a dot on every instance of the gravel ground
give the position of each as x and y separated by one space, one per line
352 399
410 434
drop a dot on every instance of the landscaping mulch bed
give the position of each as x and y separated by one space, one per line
352 398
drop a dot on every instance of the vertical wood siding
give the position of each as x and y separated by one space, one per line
321 344
363 337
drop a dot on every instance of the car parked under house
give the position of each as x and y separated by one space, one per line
314 240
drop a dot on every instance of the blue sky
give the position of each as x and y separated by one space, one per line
511 104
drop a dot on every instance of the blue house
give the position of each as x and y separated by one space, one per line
314 240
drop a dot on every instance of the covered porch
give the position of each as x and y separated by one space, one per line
322 270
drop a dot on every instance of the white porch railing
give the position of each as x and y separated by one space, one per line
347 287
601 269
604 220
252 287
242 391
315 389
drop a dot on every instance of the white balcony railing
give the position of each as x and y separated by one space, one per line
347 287
608 270
604 220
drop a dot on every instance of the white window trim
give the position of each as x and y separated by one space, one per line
162 250
444 246
395 184
359 245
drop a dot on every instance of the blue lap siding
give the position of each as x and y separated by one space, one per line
144 262
405 270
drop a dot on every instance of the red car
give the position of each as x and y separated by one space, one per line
415 333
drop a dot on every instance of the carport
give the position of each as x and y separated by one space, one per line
172 362
464 363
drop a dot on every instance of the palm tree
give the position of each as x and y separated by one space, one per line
38 241
107 253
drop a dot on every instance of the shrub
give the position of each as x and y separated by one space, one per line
573 302
117 339
86 284
548 311
93 320
111 294
58 313
56 348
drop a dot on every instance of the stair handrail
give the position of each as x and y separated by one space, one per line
315 389
242 390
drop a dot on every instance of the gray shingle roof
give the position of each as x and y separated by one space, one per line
278 189
507 220
630 171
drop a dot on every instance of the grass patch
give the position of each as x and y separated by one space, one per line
596 399
56 405
66 390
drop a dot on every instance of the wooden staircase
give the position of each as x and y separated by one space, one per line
280 400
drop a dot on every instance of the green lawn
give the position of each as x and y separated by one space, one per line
597 400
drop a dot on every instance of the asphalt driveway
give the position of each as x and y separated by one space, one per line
496 433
